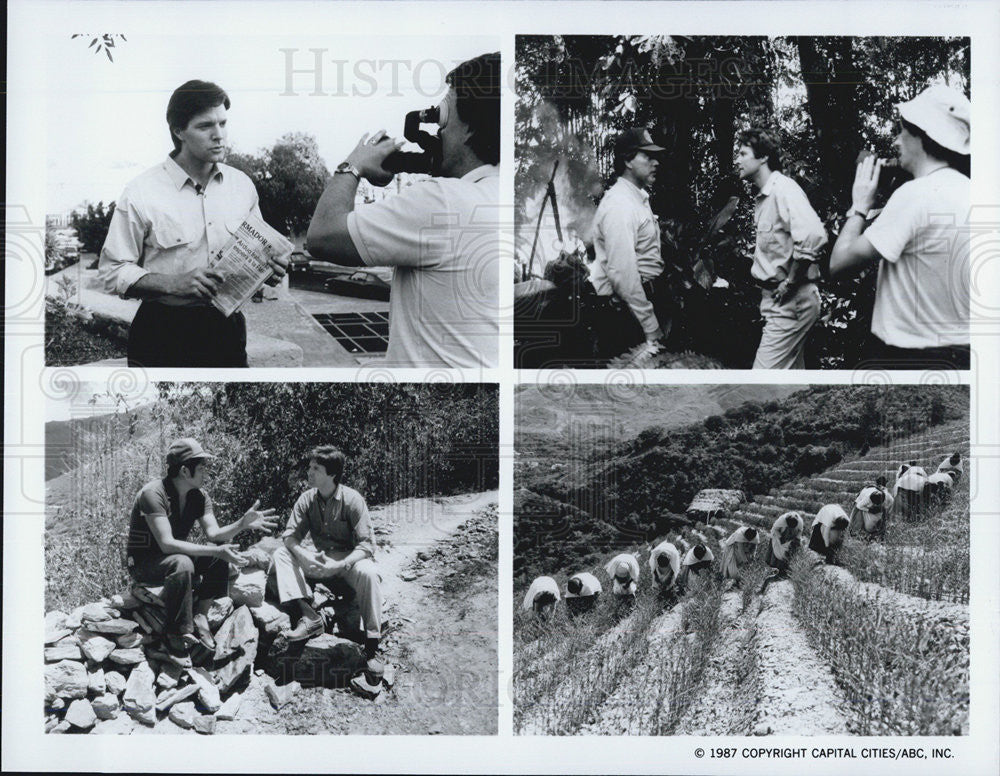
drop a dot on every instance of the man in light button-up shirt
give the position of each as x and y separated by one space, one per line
167 224
789 242
627 262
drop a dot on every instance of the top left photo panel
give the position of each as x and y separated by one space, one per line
272 201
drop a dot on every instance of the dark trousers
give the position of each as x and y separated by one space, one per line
177 575
162 335
878 355
617 328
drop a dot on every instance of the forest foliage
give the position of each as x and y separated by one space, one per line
827 97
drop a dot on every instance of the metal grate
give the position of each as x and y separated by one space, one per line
357 332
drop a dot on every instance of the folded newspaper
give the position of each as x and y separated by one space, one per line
244 262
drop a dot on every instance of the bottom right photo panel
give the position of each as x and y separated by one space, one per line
737 560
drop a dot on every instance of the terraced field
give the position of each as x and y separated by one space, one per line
878 645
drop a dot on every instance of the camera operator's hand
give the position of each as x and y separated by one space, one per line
865 187
369 154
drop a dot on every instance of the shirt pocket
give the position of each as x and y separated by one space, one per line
341 533
167 233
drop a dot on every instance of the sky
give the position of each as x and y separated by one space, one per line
106 121
69 399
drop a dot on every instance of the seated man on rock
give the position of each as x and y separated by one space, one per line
335 518
159 553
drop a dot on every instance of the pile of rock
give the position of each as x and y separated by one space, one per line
108 658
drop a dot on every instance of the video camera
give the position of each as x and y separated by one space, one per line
890 178
429 161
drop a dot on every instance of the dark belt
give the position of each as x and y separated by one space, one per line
767 285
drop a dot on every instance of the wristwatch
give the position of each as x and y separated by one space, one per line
855 211
350 169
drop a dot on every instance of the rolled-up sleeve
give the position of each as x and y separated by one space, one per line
619 231
397 231
364 535
807 230
119 266
298 522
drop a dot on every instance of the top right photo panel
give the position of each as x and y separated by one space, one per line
793 202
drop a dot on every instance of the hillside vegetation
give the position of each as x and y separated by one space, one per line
573 497
400 441
876 645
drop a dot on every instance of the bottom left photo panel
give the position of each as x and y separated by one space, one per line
271 558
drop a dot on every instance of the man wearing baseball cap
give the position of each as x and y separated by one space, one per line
628 269
159 553
920 241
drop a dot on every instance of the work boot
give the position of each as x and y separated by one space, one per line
204 632
306 629
178 650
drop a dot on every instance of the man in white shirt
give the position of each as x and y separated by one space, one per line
628 269
167 225
440 235
920 239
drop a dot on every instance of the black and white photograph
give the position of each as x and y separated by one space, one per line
741 560
700 202
271 558
272 202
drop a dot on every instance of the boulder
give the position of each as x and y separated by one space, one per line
129 640
170 697
204 724
270 619
81 714
208 693
66 679
63 651
106 706
51 722
125 601
95 646
96 612
220 610
259 556
248 588
73 619
115 627
55 626
281 696
62 727
96 684
140 699
231 707
114 682
183 714
237 630
128 657
169 676
329 661
57 704
237 637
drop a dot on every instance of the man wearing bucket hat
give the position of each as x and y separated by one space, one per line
159 552
921 315
627 271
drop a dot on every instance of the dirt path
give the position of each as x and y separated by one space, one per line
632 709
438 561
725 705
798 695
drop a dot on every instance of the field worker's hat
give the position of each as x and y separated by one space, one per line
942 113
636 139
185 449
623 570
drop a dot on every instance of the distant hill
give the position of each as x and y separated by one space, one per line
620 412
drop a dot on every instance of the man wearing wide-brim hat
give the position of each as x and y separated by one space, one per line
160 553
627 272
920 239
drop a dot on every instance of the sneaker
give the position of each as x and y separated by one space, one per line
306 629
178 651
374 670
